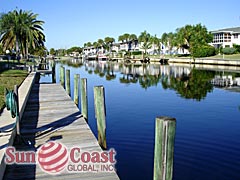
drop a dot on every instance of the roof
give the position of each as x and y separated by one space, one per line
233 30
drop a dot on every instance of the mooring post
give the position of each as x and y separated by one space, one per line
53 71
99 102
164 148
84 102
76 88
68 89
17 108
62 76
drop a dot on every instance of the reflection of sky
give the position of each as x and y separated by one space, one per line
206 144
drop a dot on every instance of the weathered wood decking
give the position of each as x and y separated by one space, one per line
50 114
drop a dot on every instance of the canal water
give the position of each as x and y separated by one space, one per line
207 141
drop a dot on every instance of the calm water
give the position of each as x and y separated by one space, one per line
207 141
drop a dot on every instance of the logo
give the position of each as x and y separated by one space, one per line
54 157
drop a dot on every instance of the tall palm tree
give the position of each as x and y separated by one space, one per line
156 43
88 44
121 38
169 40
32 32
133 39
145 40
101 43
126 37
109 41
21 30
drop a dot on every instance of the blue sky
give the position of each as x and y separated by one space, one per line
73 22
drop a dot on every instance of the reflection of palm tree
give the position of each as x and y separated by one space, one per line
110 77
148 80
124 80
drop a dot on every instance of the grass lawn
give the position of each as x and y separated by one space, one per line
232 56
8 79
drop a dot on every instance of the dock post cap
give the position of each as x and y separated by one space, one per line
166 118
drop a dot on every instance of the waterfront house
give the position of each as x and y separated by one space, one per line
226 37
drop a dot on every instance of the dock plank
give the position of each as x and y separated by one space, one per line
50 114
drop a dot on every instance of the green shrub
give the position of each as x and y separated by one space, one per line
228 50
136 53
204 51
237 47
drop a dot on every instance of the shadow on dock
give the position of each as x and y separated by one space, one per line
32 132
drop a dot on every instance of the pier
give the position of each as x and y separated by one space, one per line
51 115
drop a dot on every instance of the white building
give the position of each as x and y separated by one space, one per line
226 37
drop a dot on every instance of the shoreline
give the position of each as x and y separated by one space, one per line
207 61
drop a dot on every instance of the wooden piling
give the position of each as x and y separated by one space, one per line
53 71
84 102
164 148
17 113
68 88
99 102
76 88
62 76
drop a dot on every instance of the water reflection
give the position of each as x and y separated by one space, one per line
188 82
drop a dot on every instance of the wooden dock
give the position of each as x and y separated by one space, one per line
50 114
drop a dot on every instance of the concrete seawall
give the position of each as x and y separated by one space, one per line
206 61
6 121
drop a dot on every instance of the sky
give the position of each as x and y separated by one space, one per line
71 23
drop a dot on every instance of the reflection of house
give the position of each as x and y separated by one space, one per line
225 81
226 37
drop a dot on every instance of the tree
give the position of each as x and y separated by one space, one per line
156 43
52 51
121 38
88 44
169 40
74 49
109 41
193 37
126 37
96 46
101 43
145 39
21 30
61 52
133 37
38 51
1 49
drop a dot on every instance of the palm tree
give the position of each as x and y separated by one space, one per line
144 38
109 41
126 37
32 36
169 40
1 49
88 44
96 46
121 38
133 39
156 43
21 30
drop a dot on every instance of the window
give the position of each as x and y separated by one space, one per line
235 36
